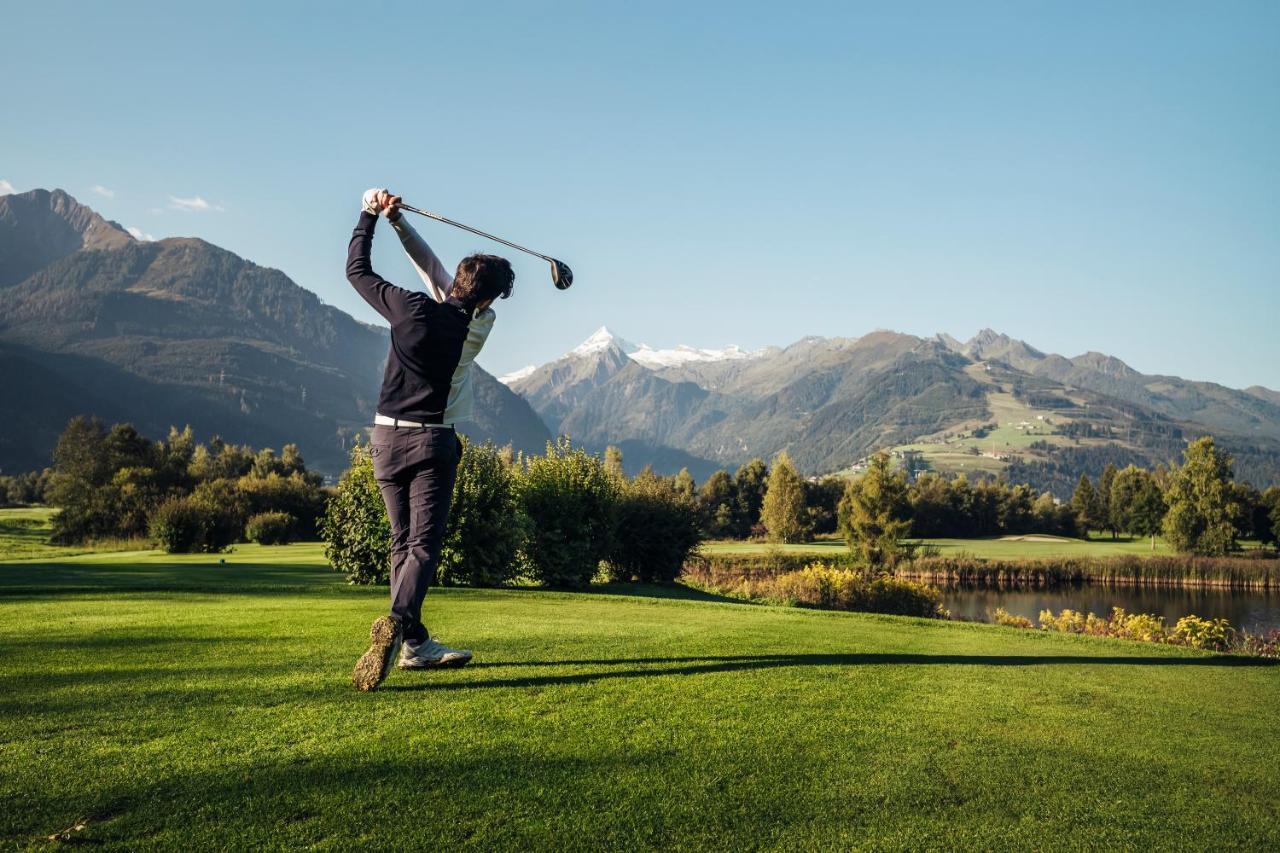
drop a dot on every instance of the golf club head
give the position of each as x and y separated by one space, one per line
561 275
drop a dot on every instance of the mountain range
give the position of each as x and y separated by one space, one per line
180 331
986 406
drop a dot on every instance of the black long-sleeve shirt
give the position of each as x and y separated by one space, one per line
426 336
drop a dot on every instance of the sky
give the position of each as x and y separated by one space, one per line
1082 175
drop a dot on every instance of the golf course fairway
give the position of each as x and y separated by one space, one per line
152 701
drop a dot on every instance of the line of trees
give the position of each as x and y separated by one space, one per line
114 483
1196 505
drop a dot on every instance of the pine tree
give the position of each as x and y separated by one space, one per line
750 483
874 513
784 513
1084 503
1106 521
718 503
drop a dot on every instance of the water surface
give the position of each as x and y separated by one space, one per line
1252 610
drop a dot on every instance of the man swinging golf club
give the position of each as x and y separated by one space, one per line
426 389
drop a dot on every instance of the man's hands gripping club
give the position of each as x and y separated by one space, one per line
381 200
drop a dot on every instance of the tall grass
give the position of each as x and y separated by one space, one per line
1261 571
824 586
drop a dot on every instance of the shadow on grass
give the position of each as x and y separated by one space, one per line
669 592
46 579
739 663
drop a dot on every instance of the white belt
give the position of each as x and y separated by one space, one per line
383 420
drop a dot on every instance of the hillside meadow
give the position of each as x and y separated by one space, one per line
203 701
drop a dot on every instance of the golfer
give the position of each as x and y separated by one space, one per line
426 390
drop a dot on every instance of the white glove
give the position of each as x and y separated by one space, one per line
370 200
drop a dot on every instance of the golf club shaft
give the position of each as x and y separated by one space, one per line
448 221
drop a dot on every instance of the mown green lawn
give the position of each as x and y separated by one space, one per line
1009 547
24 534
175 702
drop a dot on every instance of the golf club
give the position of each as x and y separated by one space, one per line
561 275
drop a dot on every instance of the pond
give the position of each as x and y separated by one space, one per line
1253 610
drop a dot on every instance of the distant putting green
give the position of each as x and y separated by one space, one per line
24 534
161 702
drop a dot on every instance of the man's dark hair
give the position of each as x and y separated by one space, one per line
482 277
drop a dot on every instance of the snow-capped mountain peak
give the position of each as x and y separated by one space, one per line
684 354
517 375
600 340
647 356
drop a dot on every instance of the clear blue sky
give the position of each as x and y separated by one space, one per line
1082 175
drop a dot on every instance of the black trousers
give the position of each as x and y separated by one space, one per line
415 469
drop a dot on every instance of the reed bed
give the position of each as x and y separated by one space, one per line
1127 570
1240 572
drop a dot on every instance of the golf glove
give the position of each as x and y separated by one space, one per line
370 200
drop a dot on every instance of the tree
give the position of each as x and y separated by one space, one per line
1105 482
1250 515
613 462
657 529
783 513
357 534
750 483
932 507
822 498
685 485
85 460
571 503
1137 504
873 513
717 503
1269 533
1202 507
1086 506
486 524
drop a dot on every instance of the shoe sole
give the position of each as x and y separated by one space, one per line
451 663
374 665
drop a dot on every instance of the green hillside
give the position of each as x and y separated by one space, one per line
160 701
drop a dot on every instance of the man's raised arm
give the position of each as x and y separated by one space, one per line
388 300
432 272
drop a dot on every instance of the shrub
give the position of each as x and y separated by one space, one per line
657 528
355 529
1260 645
1136 626
571 501
905 598
1212 634
176 525
1003 617
1073 622
270 528
819 585
486 523
297 494
226 510
826 586
721 570
188 524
